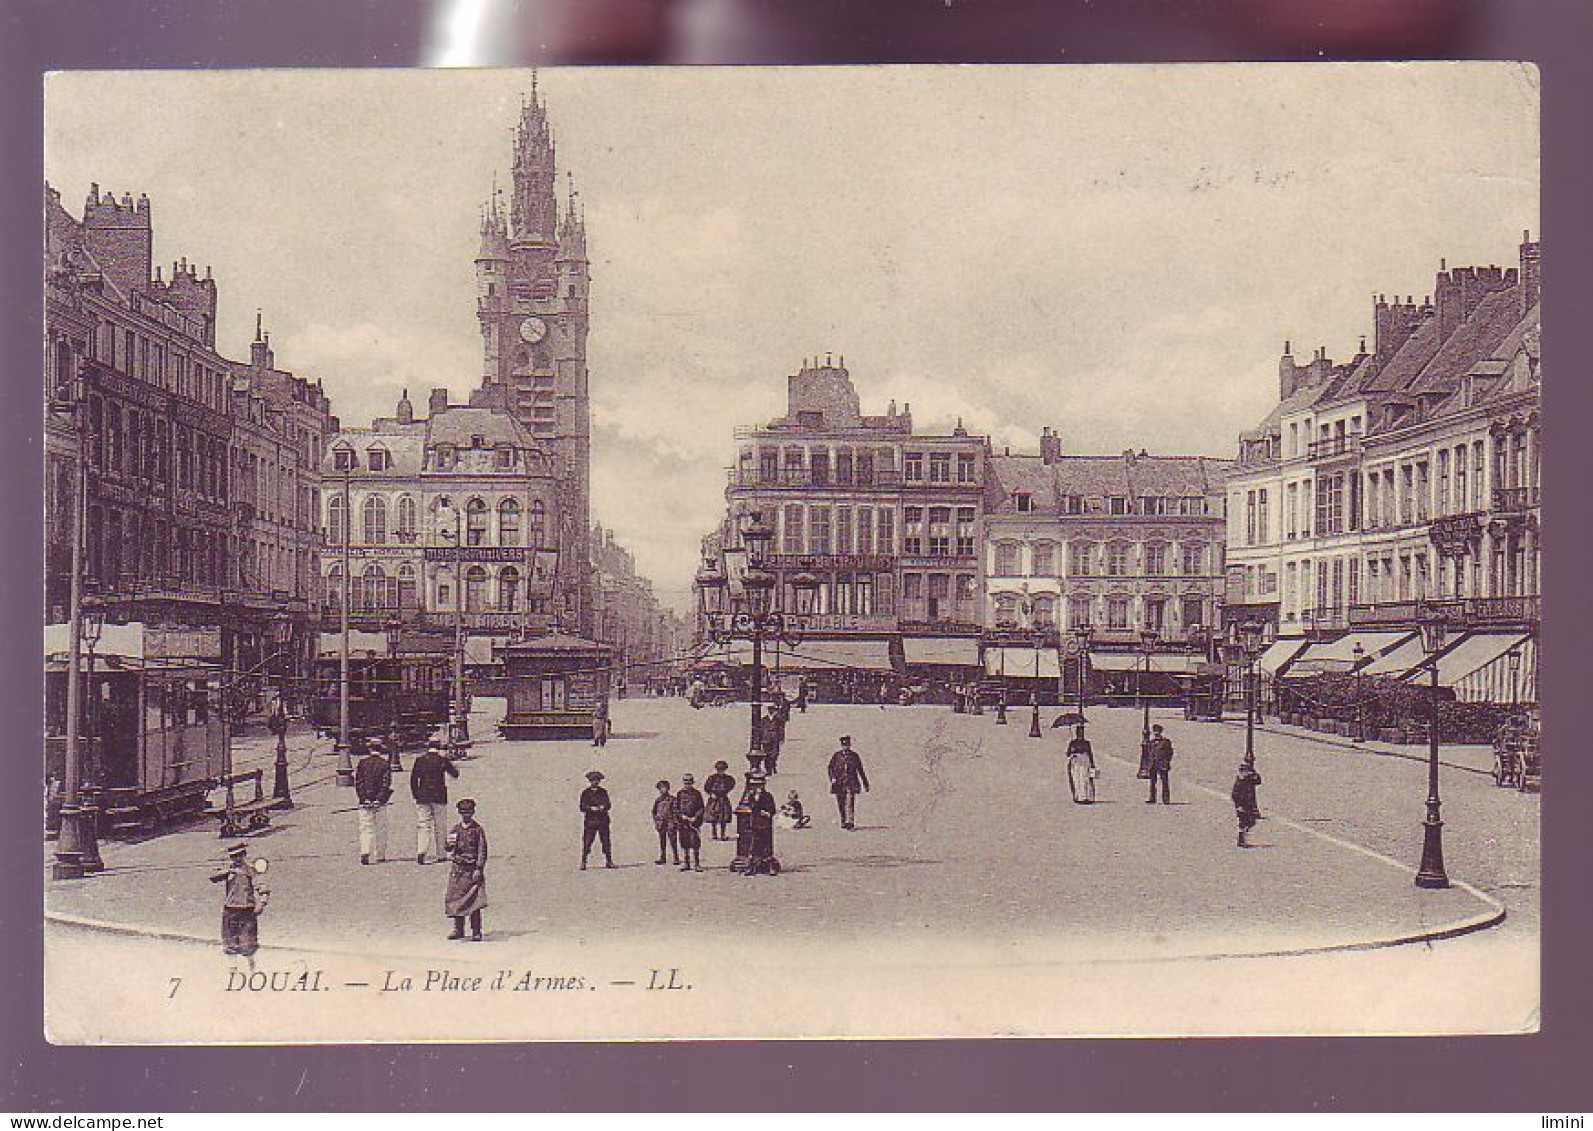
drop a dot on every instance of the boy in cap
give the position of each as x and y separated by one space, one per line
718 786
595 806
467 879
664 822
240 906
689 810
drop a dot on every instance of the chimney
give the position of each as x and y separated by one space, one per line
438 402
406 411
1531 272
1288 374
1050 446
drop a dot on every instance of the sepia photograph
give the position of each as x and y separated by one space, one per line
924 551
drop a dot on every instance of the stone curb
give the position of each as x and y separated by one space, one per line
1358 747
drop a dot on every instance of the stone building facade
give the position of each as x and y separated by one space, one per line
439 517
887 518
532 285
627 616
1404 478
160 425
1118 544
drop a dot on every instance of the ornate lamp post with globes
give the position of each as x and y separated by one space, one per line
738 600
1431 874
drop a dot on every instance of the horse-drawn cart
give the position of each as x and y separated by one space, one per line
1516 759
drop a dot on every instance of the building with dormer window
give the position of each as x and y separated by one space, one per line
445 516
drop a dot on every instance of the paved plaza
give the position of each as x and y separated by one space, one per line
968 852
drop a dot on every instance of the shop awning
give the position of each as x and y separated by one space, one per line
1397 660
484 650
1494 682
1339 655
1023 663
949 651
1278 654
1165 663
831 655
120 641
359 644
1474 652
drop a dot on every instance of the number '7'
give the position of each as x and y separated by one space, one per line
175 982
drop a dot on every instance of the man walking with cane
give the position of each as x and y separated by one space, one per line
847 777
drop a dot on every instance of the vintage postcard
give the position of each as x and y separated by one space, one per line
791 552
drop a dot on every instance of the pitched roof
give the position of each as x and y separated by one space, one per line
1100 477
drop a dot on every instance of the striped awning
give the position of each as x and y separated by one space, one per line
819 655
1471 655
1278 654
1164 663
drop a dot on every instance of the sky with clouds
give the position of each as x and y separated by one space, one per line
1117 252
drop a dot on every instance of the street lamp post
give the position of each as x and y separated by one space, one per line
1001 669
78 839
279 631
394 630
1082 636
1359 652
1148 639
738 602
458 710
1250 641
1431 874
1034 696
1513 659
345 764
93 626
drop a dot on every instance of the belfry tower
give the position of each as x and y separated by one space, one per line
531 300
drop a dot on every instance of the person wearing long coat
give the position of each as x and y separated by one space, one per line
718 786
1081 768
847 777
1245 806
467 878
756 812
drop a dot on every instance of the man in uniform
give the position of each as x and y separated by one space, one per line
428 784
846 778
1160 759
689 811
373 787
595 806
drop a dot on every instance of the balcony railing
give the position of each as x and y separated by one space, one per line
1459 612
1510 499
804 477
1336 446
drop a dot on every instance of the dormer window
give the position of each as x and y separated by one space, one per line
478 441
447 457
1025 502
379 459
343 459
505 457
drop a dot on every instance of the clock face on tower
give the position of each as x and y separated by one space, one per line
533 330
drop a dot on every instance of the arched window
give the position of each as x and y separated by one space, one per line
509 523
334 587
509 589
406 517
374 516
63 365
1044 612
372 595
408 596
475 523
337 520
537 529
475 590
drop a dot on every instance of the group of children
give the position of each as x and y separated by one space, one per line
678 817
